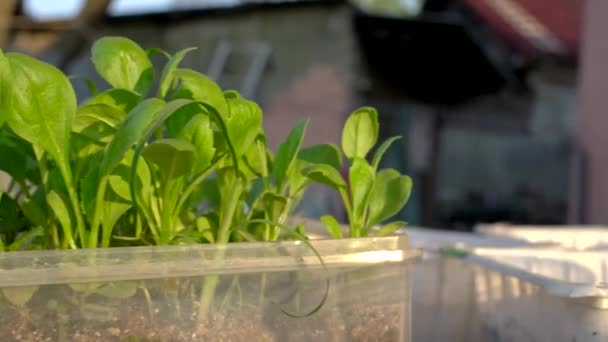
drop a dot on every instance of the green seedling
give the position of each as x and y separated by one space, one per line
184 163
370 196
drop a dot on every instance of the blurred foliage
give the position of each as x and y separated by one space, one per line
402 8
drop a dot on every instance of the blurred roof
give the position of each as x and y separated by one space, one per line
536 27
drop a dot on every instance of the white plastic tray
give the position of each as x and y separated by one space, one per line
532 294
569 237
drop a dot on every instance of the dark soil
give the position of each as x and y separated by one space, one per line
366 324
136 327
132 320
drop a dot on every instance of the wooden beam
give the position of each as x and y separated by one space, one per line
7 10
93 11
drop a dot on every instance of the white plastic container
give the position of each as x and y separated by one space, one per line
541 294
256 289
443 294
569 237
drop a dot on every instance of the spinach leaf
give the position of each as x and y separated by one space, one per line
173 157
288 150
130 132
44 107
360 133
332 226
199 87
199 133
328 154
167 77
390 193
123 64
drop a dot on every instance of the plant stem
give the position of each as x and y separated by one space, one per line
54 236
66 173
210 282
99 202
228 211
192 186
349 212
207 294
166 227
262 294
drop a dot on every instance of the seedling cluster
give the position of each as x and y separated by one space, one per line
166 158
183 163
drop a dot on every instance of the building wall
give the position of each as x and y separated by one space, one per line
590 193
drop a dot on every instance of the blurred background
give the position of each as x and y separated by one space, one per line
499 102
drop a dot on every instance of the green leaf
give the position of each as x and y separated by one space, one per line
173 157
199 133
360 133
60 208
19 295
288 150
296 180
256 157
322 154
231 95
44 107
17 152
204 226
6 88
325 174
10 220
243 124
176 123
157 51
332 226
88 191
113 208
198 87
167 77
130 132
118 290
121 99
382 150
92 86
390 228
123 64
119 179
389 195
93 128
91 114
274 204
34 211
25 238
361 178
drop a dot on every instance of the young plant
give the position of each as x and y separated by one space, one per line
370 196
184 163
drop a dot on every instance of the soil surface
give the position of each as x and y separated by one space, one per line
124 321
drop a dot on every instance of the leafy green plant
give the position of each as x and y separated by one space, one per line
370 196
184 163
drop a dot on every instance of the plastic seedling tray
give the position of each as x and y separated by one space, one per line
266 291
542 294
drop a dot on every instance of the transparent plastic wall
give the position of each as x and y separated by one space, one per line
326 290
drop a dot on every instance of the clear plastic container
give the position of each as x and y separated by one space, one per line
540 294
443 288
352 290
